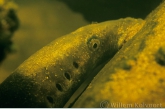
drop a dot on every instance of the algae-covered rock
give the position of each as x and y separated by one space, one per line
135 76
8 24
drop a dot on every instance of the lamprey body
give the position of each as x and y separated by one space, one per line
50 76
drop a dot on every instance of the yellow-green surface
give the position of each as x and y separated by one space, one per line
135 77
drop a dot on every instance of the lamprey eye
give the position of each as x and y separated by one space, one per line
93 43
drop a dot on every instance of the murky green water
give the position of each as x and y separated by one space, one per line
41 21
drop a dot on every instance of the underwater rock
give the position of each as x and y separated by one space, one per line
8 24
50 76
135 76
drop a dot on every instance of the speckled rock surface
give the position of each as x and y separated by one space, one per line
135 77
